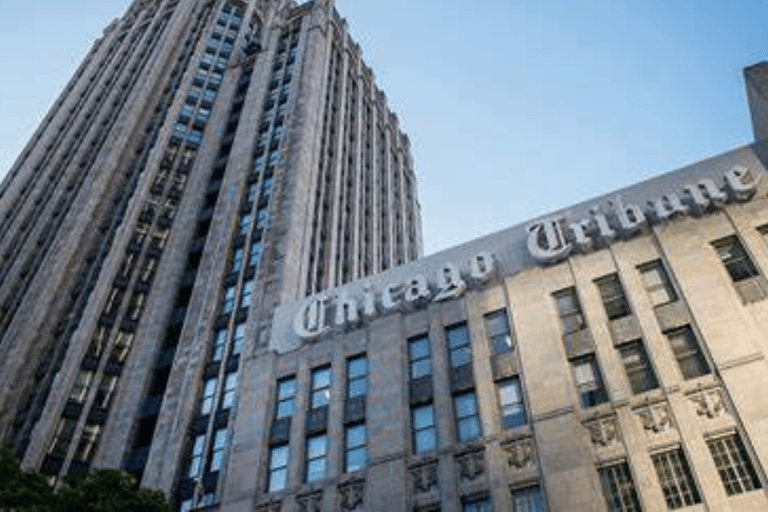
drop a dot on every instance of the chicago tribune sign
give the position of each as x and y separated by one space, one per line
548 241
554 239
321 313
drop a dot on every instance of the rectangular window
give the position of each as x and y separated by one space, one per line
478 504
245 224
238 338
105 391
735 258
317 450
253 258
676 479
237 260
355 453
196 457
657 283
614 299
81 386
228 300
278 468
424 429
528 499
690 360
89 439
246 294
569 309
733 464
511 403
209 393
637 366
286 398
497 330
467 417
459 349
357 376
588 381
419 357
619 488
229 394
321 387
217 451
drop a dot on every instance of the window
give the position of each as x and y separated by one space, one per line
219 345
122 346
467 417
245 224
278 468
690 360
459 349
419 357
511 403
286 398
86 447
355 453
209 392
570 311
357 382
228 300
81 386
253 258
229 395
238 338
676 479
105 391
497 330
477 504
657 283
637 366
317 449
733 464
588 381
424 429
528 499
735 259
237 260
246 294
321 387
217 452
262 218
196 457
619 489
614 299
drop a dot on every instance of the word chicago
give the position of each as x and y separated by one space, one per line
554 239
323 312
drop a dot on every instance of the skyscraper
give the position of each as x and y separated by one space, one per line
208 160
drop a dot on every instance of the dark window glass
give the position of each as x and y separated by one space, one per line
619 489
511 403
497 330
614 299
569 310
321 387
588 381
286 396
424 430
459 349
357 376
355 453
419 357
657 283
467 417
528 499
317 450
637 366
735 258
733 464
278 468
676 479
690 360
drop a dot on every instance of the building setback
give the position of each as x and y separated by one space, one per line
211 277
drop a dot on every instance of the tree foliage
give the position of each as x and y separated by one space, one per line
104 490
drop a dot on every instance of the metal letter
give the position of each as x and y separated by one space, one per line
735 181
604 231
450 285
418 290
704 195
546 242
581 240
346 311
667 206
481 267
369 302
388 297
631 218
309 323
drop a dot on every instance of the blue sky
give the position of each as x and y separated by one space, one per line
514 107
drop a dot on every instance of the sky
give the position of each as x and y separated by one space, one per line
514 108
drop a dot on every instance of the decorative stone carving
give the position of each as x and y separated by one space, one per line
709 403
603 431
424 476
271 506
655 418
352 494
519 453
471 464
310 502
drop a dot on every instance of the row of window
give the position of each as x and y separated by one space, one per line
676 479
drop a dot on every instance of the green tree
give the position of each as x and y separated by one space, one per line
104 490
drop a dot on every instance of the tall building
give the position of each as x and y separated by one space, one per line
210 277
209 160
